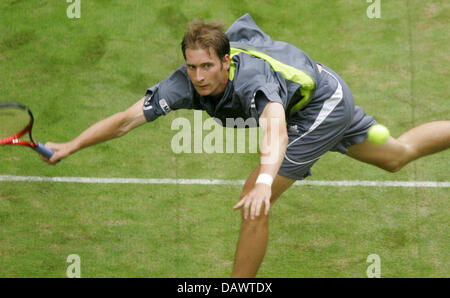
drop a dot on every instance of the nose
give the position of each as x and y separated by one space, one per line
199 77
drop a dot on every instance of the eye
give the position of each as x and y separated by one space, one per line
208 65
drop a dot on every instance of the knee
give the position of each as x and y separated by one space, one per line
259 222
398 161
393 167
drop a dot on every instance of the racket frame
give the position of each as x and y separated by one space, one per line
15 139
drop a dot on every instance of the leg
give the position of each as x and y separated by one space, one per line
254 234
312 132
422 140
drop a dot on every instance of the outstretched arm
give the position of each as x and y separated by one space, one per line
273 148
109 128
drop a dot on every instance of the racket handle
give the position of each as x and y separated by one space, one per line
44 151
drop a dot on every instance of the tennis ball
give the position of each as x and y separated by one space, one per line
378 134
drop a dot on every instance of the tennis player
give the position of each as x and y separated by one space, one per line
303 107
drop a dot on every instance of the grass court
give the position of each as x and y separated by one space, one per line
74 72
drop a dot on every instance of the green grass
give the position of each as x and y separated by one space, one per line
74 72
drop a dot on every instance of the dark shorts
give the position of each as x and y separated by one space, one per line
330 122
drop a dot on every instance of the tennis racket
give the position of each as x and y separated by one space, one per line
16 120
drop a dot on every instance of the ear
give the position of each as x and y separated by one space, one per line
227 61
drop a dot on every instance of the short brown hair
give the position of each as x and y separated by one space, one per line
204 35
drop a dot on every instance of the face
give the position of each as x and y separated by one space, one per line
207 72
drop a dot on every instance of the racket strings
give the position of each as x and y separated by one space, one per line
15 122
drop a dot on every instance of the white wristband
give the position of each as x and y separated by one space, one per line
264 178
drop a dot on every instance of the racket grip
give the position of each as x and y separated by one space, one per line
44 151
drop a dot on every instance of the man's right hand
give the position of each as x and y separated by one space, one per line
61 150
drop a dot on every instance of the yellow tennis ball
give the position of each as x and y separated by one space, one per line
378 134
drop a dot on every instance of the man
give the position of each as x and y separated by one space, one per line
303 108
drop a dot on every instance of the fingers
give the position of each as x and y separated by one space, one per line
252 205
49 161
239 204
247 205
58 154
243 203
267 204
256 208
266 207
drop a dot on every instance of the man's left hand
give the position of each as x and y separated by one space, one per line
253 200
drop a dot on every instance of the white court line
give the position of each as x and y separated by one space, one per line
220 182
